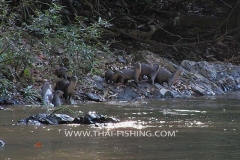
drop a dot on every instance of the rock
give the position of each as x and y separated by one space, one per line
56 119
212 78
8 101
2 108
98 78
91 97
52 119
1 143
197 79
165 93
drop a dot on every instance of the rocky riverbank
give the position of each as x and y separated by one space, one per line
197 79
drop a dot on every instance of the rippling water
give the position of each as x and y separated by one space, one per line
200 128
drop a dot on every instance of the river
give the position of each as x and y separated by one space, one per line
197 128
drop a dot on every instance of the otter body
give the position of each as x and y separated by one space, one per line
137 72
164 75
67 87
47 94
108 75
150 71
126 74
61 72
56 101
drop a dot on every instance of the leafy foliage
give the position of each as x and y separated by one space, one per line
30 94
7 89
33 33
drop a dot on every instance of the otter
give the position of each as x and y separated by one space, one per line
123 76
47 94
145 69
61 72
109 76
56 101
137 72
67 87
164 75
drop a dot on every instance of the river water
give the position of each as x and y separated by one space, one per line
200 128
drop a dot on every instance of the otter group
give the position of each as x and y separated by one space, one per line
64 87
154 73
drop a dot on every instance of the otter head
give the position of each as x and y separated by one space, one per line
73 79
156 67
138 65
61 72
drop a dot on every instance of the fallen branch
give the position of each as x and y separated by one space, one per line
232 59
5 49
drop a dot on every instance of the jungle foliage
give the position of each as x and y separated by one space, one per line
34 39
36 36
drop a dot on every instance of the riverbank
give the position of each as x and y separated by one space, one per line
197 79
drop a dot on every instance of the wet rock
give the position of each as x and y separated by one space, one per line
92 118
94 97
91 97
98 78
211 78
55 119
1 143
127 93
8 101
2 108
165 93
52 119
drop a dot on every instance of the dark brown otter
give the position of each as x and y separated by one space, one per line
56 101
164 75
61 72
108 75
47 94
67 87
150 71
116 75
126 74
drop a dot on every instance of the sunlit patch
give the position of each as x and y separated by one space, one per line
189 111
137 113
194 124
182 112
73 125
126 124
128 103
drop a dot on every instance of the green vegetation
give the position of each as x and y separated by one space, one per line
30 94
33 39
7 89
39 36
